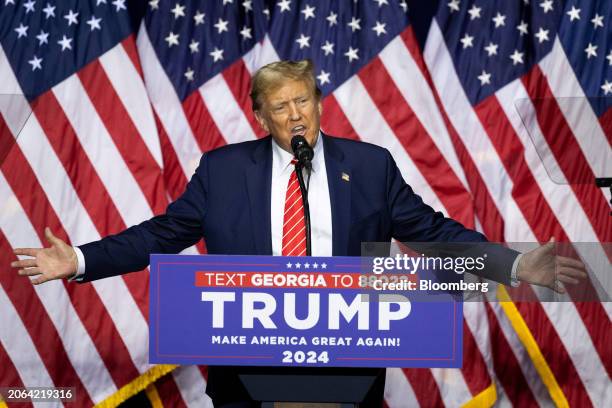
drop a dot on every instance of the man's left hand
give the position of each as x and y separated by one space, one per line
543 267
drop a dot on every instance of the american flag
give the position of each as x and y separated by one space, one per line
123 107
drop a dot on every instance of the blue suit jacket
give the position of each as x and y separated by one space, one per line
227 202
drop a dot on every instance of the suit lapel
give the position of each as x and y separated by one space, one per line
338 180
258 176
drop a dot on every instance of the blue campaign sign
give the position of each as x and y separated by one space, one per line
301 311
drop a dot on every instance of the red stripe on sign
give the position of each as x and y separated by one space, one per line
555 354
416 141
334 121
424 386
487 212
238 80
85 299
169 392
37 322
174 177
474 367
507 368
122 130
207 134
575 166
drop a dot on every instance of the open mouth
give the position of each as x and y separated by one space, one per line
299 130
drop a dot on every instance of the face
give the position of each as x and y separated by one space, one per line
289 110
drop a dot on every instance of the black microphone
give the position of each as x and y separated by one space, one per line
302 150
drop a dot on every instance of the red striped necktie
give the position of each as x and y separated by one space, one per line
294 227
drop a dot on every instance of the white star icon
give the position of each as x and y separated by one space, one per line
248 5
591 50
352 54
379 28
354 24
217 54
49 11
303 41
7 2
328 48
546 6
308 12
194 46
499 20
597 21
609 58
98 2
36 63
323 265
298 265
542 35
172 39
315 265
332 18
491 49
71 17
198 18
227 2
607 87
43 38
381 2
246 33
522 28
404 6
574 13
178 11
467 41
94 23
266 12
306 265
484 77
284 5
516 57
154 4
474 12
29 6
221 25
289 265
66 43
189 74
323 78
119 4
22 31
453 5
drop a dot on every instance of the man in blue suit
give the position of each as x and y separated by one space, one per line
235 200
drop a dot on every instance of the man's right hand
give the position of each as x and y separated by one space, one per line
58 261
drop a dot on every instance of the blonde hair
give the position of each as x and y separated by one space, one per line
272 76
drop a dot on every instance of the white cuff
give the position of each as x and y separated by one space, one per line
78 276
514 281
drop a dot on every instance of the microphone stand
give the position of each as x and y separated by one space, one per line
304 190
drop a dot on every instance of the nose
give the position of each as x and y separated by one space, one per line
294 112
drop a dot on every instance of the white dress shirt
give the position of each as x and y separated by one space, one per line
318 199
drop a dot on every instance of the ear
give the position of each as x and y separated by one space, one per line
262 121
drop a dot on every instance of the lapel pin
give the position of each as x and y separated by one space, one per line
345 177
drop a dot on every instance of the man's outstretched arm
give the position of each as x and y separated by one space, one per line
180 227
